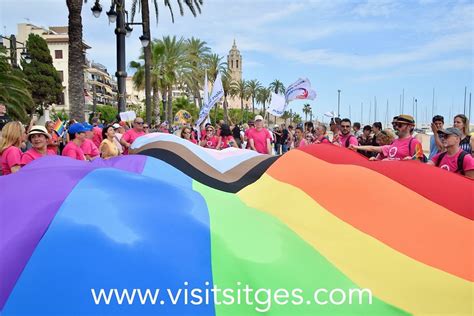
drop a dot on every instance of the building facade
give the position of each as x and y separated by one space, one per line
57 39
234 64
100 87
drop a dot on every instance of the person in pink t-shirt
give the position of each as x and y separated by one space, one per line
226 139
406 147
300 140
321 137
454 159
38 137
210 140
260 138
97 132
90 150
13 135
186 134
77 135
346 139
129 137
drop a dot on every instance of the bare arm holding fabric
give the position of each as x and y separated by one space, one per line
374 149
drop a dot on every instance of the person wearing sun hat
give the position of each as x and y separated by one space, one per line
260 138
454 158
77 135
406 147
38 136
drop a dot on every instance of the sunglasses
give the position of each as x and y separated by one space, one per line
209 130
139 123
145 127
345 126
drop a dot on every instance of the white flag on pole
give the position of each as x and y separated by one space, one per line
217 93
301 89
277 105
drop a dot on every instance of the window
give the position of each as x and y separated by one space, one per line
232 64
58 54
61 75
61 99
237 63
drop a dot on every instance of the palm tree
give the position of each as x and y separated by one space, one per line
240 89
197 52
297 118
263 96
76 60
14 92
277 86
139 76
286 115
147 33
306 110
253 87
226 85
173 63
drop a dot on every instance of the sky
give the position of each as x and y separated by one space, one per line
369 49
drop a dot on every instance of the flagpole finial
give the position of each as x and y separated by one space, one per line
234 45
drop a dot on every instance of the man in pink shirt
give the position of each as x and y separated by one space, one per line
346 138
38 137
88 146
97 132
406 147
259 137
454 159
132 134
77 134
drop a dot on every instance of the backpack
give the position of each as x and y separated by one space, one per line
460 162
348 141
423 159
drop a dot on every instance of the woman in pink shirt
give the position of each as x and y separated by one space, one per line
38 137
77 135
13 135
210 140
300 140
186 134
226 139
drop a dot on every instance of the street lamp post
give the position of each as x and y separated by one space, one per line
118 15
338 103
13 54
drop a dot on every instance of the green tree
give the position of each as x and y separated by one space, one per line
306 110
263 96
14 92
108 113
226 86
297 118
197 53
277 86
253 87
240 89
46 86
147 33
285 116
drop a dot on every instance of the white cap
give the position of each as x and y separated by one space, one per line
258 118
116 125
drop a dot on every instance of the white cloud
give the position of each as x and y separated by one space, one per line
376 8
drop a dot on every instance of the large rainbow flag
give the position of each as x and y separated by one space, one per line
178 218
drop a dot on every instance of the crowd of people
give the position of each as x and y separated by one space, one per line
450 148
